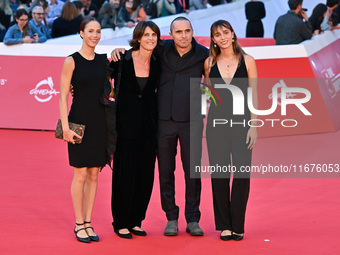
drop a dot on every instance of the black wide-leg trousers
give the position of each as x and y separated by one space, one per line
227 147
132 180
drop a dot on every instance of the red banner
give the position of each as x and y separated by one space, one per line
284 70
29 92
29 89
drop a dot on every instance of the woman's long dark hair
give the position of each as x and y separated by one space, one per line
135 5
18 14
317 16
214 48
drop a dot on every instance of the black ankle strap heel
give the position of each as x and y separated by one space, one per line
94 238
81 239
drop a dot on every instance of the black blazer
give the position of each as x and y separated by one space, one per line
174 87
136 109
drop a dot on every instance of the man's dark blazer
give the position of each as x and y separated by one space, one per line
174 88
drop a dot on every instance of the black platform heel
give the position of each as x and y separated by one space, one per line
94 238
81 239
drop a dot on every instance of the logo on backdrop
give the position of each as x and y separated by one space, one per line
283 99
332 81
44 91
3 82
281 84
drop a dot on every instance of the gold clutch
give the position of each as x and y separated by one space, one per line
79 129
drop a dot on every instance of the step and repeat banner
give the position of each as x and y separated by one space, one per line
29 92
30 77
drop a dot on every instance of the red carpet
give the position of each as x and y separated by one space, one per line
284 216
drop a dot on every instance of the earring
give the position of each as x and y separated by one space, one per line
215 45
233 39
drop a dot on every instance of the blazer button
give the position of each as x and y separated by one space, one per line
139 96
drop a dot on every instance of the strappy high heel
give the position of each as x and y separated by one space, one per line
81 239
94 238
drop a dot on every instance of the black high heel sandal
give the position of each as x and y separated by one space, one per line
81 239
94 238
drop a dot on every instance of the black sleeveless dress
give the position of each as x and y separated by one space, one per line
227 147
88 80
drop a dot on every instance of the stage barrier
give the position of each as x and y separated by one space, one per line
30 77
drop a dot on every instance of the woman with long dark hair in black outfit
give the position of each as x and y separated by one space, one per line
134 160
317 17
230 145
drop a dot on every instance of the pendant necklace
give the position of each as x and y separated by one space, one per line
228 66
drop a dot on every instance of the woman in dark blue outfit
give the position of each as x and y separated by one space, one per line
134 160
230 145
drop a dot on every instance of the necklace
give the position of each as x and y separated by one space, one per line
228 66
146 64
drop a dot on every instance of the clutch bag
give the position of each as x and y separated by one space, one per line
79 129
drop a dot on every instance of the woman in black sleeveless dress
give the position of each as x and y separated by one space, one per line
85 71
230 144
135 156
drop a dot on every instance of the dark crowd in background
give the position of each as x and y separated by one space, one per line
56 18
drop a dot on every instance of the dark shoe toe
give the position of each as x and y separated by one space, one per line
171 228
138 232
194 229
